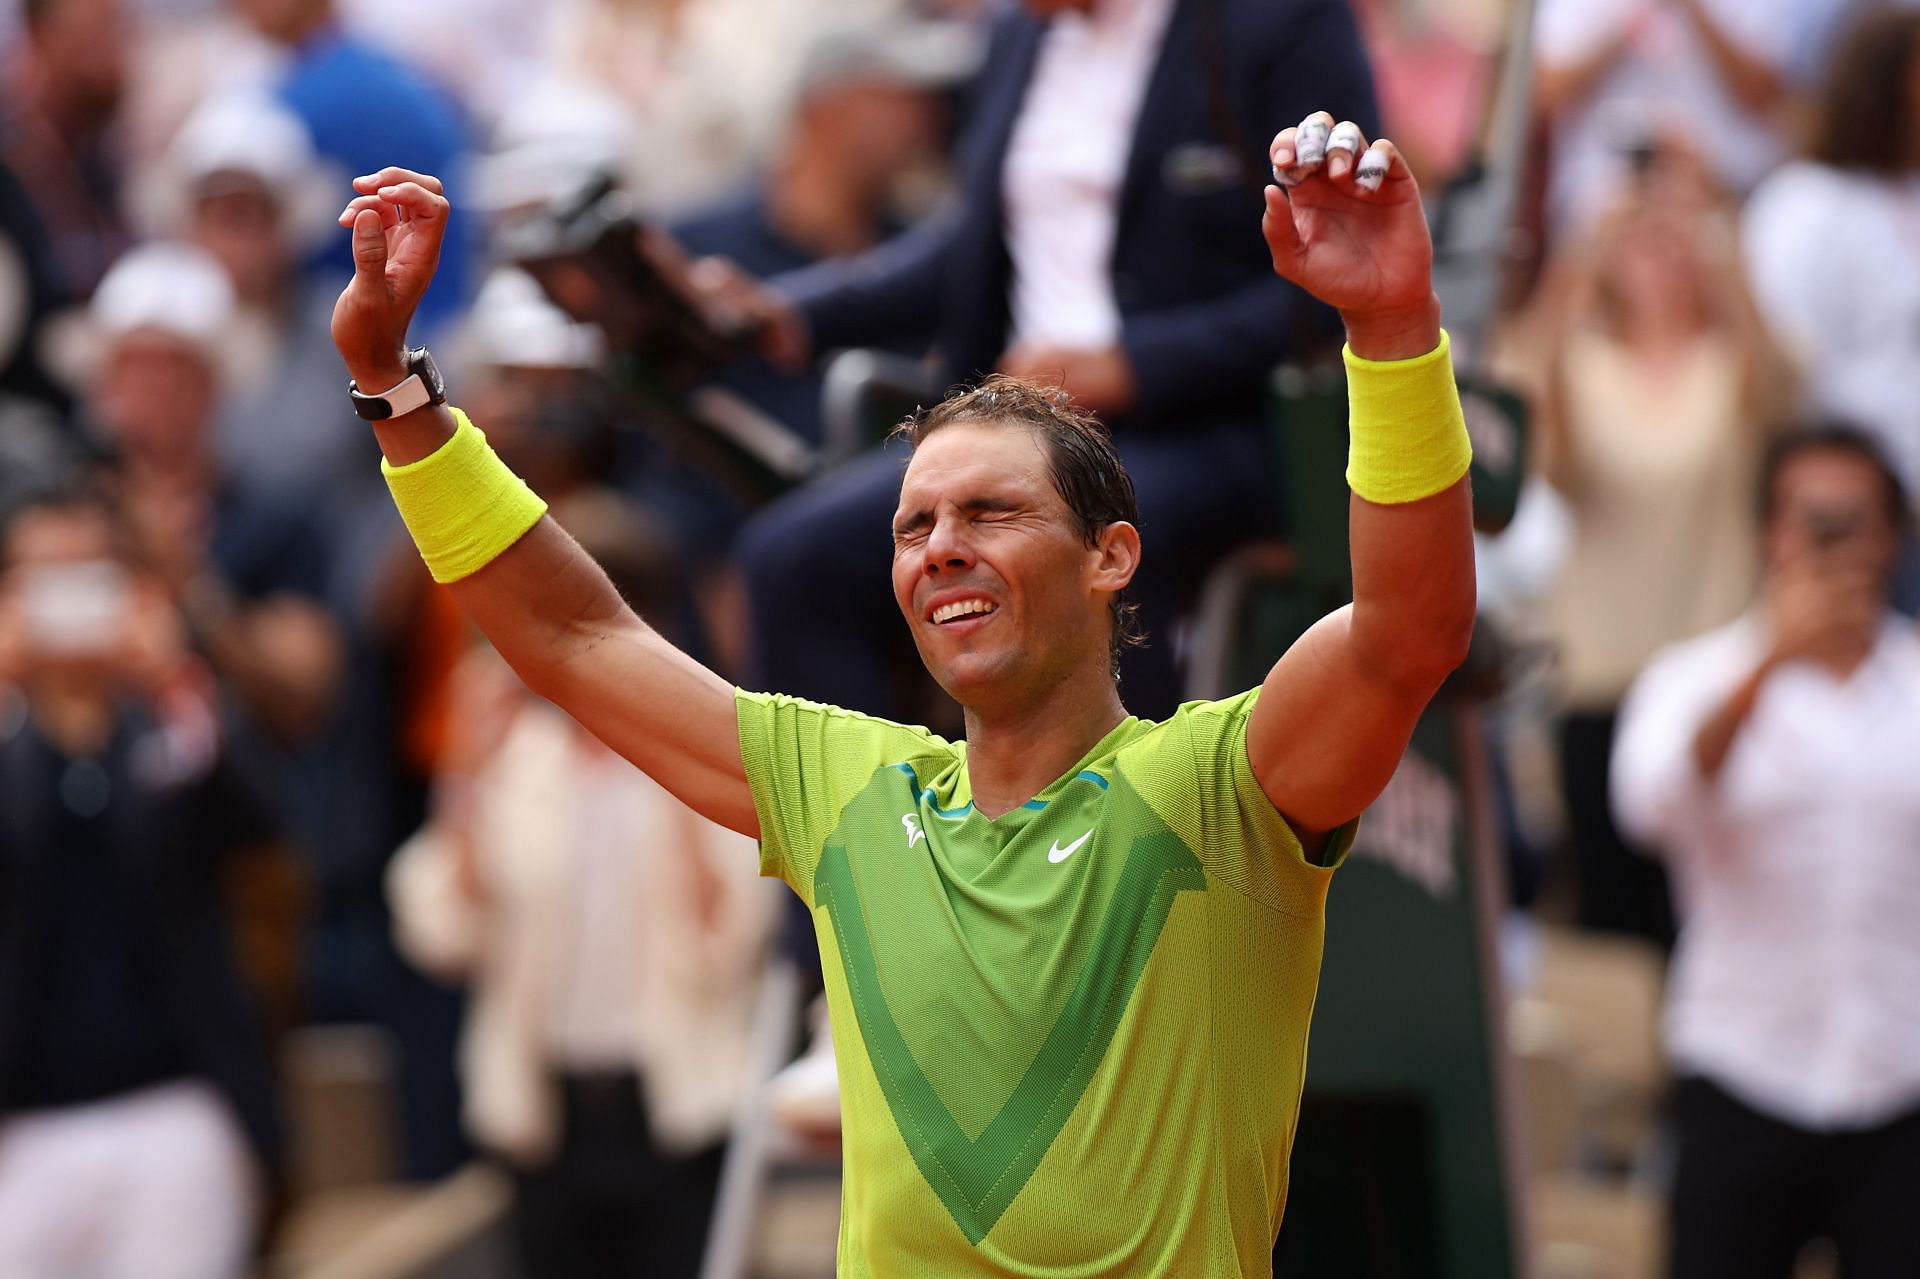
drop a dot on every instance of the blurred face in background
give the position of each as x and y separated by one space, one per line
285 21
237 220
156 394
80 47
1651 267
66 596
1049 8
883 127
1832 503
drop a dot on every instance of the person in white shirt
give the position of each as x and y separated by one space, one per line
1777 760
1833 240
1612 74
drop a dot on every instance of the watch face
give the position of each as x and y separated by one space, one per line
422 364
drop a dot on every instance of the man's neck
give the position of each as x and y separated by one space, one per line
1015 754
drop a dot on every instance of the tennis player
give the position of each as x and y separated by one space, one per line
1071 961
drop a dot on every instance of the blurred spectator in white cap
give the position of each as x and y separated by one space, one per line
364 110
712 80
154 353
862 155
242 182
60 217
1614 76
1833 241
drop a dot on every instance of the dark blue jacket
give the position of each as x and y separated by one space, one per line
1203 317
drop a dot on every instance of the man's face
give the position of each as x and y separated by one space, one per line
156 395
238 220
82 47
64 594
1830 503
1004 597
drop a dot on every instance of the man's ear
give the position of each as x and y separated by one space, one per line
1116 556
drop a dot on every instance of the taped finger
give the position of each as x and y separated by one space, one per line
1374 166
1346 136
1310 144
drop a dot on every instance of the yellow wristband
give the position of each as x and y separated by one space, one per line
461 503
1406 437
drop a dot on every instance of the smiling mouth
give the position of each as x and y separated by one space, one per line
961 610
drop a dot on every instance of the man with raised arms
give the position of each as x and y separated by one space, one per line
1071 960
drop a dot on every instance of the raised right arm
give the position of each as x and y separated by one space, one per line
542 601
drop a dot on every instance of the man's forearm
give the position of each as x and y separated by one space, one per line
1714 740
1413 578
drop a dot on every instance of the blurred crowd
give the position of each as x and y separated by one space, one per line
257 773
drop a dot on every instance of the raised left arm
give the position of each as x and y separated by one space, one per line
1336 711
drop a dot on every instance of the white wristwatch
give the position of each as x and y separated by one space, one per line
422 386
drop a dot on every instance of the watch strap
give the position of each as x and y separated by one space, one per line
421 387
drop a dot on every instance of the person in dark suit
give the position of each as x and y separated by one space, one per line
1099 240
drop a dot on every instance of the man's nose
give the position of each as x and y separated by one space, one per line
947 546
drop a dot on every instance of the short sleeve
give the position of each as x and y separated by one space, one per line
805 762
1193 771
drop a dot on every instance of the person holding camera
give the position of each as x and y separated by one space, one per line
136 1092
1650 307
1773 760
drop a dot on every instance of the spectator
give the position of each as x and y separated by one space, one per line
62 97
1652 309
613 938
1852 329
245 566
60 216
363 111
869 113
1614 75
1774 760
134 1078
1099 240
241 176
711 81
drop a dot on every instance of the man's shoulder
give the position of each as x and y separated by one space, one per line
1197 731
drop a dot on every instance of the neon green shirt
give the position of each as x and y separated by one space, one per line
1071 1039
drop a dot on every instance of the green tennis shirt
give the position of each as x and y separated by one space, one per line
1071 1039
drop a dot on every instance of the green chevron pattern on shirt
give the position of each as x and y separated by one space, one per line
1070 1038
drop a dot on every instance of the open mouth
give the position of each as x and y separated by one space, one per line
963 610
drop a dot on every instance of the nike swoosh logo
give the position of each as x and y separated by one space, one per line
1058 854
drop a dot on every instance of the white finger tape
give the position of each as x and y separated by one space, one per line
1372 170
1346 137
1310 143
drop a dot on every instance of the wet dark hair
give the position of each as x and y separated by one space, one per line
1861 117
1081 461
1832 437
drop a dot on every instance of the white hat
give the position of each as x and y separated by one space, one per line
247 135
551 137
513 325
162 287
916 52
